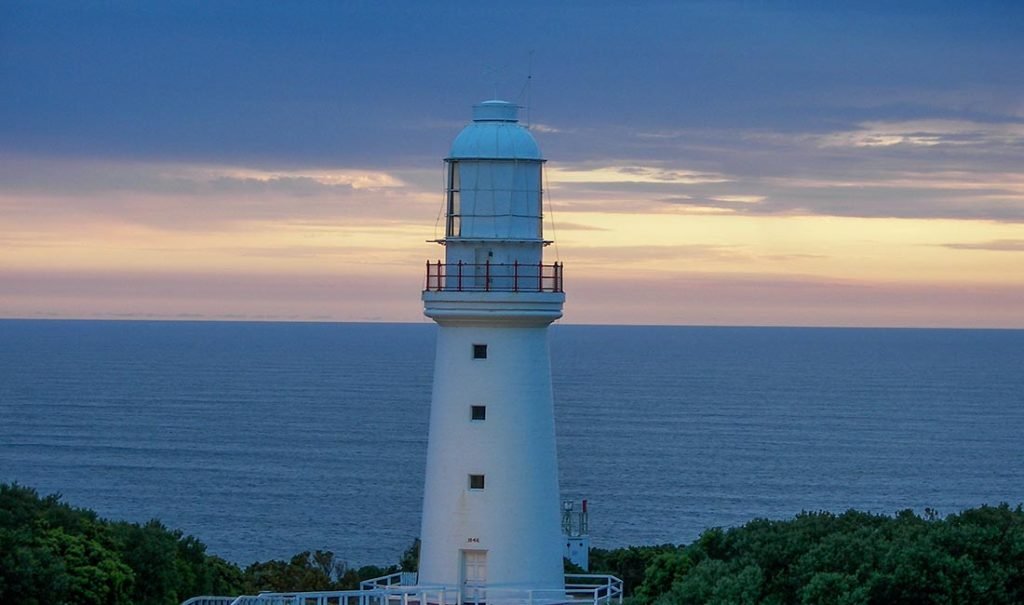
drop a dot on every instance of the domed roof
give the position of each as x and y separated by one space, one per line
495 134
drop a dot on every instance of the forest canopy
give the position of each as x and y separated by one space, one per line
52 552
821 558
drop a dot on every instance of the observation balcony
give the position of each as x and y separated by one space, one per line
493 277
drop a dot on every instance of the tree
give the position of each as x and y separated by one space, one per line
663 571
855 558
51 552
410 560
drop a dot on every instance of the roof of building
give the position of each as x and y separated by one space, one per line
495 133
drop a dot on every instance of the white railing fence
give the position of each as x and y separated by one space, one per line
399 578
401 589
597 588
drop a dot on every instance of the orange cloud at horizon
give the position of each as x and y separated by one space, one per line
348 245
883 250
618 298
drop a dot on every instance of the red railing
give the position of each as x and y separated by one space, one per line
493 277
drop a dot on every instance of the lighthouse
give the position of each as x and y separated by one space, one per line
491 520
492 527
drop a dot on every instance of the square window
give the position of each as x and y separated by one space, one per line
476 482
479 351
478 412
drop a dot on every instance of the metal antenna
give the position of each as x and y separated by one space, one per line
529 81
524 93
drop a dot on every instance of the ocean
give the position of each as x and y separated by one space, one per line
267 439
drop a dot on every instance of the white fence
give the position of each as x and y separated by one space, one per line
400 589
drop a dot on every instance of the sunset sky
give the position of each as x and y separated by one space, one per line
709 163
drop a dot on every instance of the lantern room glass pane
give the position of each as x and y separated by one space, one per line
454 222
540 201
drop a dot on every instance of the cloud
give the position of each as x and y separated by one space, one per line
938 194
998 245
692 298
630 174
867 202
565 226
716 204
859 190
927 167
866 193
925 133
739 199
37 193
545 128
662 254
55 175
622 187
267 295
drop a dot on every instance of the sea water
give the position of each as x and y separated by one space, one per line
267 439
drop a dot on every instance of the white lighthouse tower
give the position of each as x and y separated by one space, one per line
491 522
492 528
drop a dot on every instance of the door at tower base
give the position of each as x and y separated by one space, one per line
474 576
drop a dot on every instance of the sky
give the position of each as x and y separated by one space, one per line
709 163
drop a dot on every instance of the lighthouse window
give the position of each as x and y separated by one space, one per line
478 412
540 201
476 482
479 351
454 228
